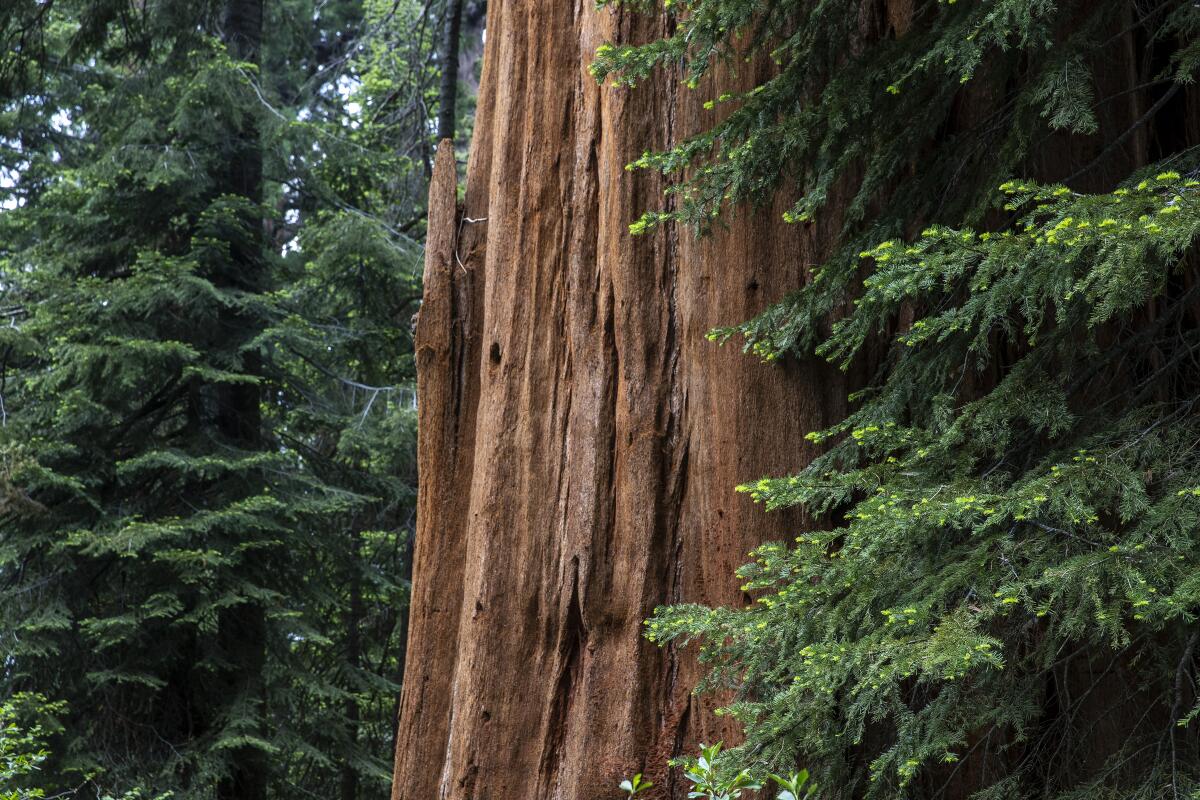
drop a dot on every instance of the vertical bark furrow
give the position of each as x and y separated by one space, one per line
573 640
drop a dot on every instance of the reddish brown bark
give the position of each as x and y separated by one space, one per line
580 439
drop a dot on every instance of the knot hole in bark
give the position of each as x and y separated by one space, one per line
494 353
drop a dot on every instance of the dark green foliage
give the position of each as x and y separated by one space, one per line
1004 604
207 398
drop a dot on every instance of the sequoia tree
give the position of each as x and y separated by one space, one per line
990 591
579 438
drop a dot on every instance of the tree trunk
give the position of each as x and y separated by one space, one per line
242 629
352 712
580 439
448 89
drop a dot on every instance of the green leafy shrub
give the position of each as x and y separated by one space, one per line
713 779
22 745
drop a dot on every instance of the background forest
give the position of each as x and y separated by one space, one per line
955 238
211 219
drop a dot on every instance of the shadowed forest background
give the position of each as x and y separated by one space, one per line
211 242
930 531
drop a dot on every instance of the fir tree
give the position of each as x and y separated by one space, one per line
206 376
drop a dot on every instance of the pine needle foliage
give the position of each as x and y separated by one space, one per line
1004 601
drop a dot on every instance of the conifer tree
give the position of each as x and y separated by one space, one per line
146 550
1003 603
205 395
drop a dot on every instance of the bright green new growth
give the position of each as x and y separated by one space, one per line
711 779
984 538
1013 578
22 749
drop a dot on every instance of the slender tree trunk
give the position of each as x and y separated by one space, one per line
349 776
242 629
448 90
580 439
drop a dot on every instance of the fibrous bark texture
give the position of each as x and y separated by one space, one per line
580 440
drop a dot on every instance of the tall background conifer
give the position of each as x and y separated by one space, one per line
211 224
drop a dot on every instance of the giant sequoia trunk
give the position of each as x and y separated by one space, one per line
580 439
